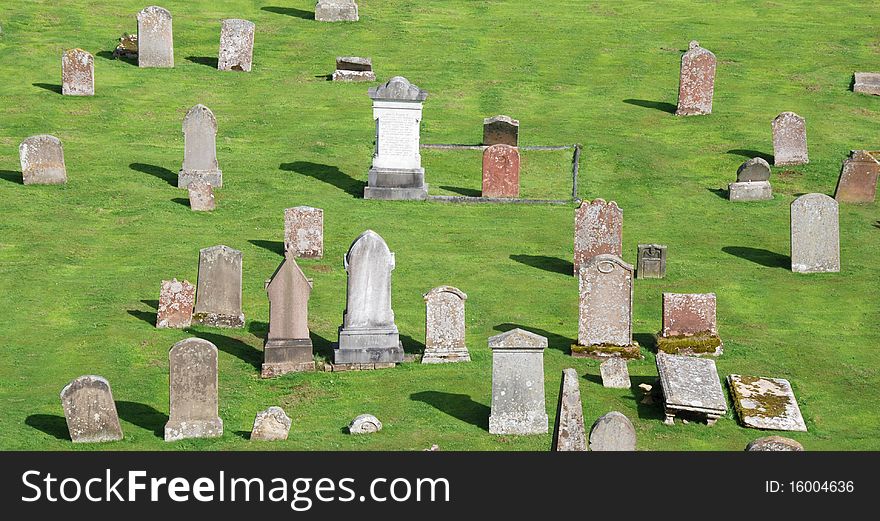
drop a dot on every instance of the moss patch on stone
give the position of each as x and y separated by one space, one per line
699 344
602 351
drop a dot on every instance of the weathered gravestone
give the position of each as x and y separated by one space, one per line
605 311
90 410
651 261
77 73
364 424
193 391
155 38
200 149
774 444
689 325
615 373
175 304
353 68
765 403
501 171
218 298
336 11
752 182
397 171
789 140
867 83
501 130
690 387
236 45
273 424
201 196
444 326
368 334
288 346
613 432
127 46
569 433
815 234
697 81
304 232
518 383
598 229
42 161
858 178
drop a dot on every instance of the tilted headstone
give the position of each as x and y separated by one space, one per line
500 130
273 424
397 171
127 46
605 311
867 83
77 73
518 383
789 140
598 229
689 325
288 346
90 410
304 232
218 297
200 149
42 161
651 261
501 171
445 326
613 432
201 196
774 444
697 81
765 403
368 333
752 182
155 38
354 68
815 234
236 45
690 386
364 424
569 433
615 374
175 304
336 11
192 365
858 178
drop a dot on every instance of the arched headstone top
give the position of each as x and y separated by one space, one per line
89 380
369 243
607 262
398 88
197 116
193 344
822 199
446 289
154 10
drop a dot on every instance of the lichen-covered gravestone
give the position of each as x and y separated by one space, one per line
518 383
765 403
42 161
200 149
336 11
501 171
445 326
867 83
697 81
218 298
193 391
364 424
353 68
815 234
368 335
858 178
273 424
613 432
615 373
155 38
77 73
500 130
304 232
201 196
605 311
789 140
774 444
236 45
689 325
598 229
752 182
569 433
690 386
651 261
397 171
288 346
175 304
90 410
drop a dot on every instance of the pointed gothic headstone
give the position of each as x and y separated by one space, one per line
288 346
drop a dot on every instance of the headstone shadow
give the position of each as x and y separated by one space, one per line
759 256
12 176
156 171
234 347
554 341
656 105
290 11
328 174
720 192
152 303
276 247
646 411
646 340
143 415
411 345
53 87
246 435
546 263
749 154
467 192
210 61
51 424
182 201
108 55
147 316
459 406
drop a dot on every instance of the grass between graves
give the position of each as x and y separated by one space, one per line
81 264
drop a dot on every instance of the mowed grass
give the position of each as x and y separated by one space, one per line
81 264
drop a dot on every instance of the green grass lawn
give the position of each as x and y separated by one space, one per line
81 264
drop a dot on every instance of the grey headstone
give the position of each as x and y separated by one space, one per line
288 345
336 11
789 140
651 261
364 424
193 395
236 45
613 432
90 410
218 296
755 169
42 161
750 191
445 326
615 373
690 385
774 444
201 196
765 403
867 83
155 38
500 130
77 73
605 313
200 149
569 433
271 425
354 68
518 383
815 234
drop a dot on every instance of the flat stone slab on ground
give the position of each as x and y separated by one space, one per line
867 83
615 373
271 425
690 384
765 403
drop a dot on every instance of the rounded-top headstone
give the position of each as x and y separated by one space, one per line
365 424
755 169
613 432
90 411
774 444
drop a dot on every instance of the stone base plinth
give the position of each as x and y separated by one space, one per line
519 425
602 351
396 184
750 191
218 320
368 346
212 177
179 430
701 344
338 368
287 356
345 75
444 356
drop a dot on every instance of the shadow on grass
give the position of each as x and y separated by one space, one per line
322 346
243 434
49 86
720 192
652 411
751 153
646 340
656 105
468 192
51 424
411 345
290 11
329 174
759 256
108 55
156 171
234 347
12 176
152 303
554 341
147 316
144 416
276 247
459 406
876 224
182 201
325 77
551 264
210 61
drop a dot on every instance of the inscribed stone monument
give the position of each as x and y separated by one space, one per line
42 161
501 130
193 391
273 424
201 196
815 234
336 11
697 81
651 261
200 149
77 73
613 432
752 182
445 326
304 232
789 140
689 325
288 346
155 38
605 316
569 433
218 297
858 178
518 383
501 171
353 68
765 403
175 304
690 387
598 229
90 410
236 45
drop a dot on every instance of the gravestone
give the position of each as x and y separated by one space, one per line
155 38
598 229
273 424
605 311
90 410
127 47
368 334
774 444
569 433
789 140
689 325
304 232
613 432
518 383
397 171
236 45
765 403
200 149
445 326
501 171
697 81
501 130
364 424
175 304
193 397
201 196
42 161
690 386
815 234
218 297
615 373
77 73
858 178
353 68
651 261
336 11
752 182
288 347
867 83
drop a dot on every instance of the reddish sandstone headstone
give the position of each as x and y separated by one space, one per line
697 81
689 324
304 232
77 73
176 300
201 196
598 229
789 140
501 171
858 178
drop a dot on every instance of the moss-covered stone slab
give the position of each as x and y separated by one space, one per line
701 344
765 403
603 351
